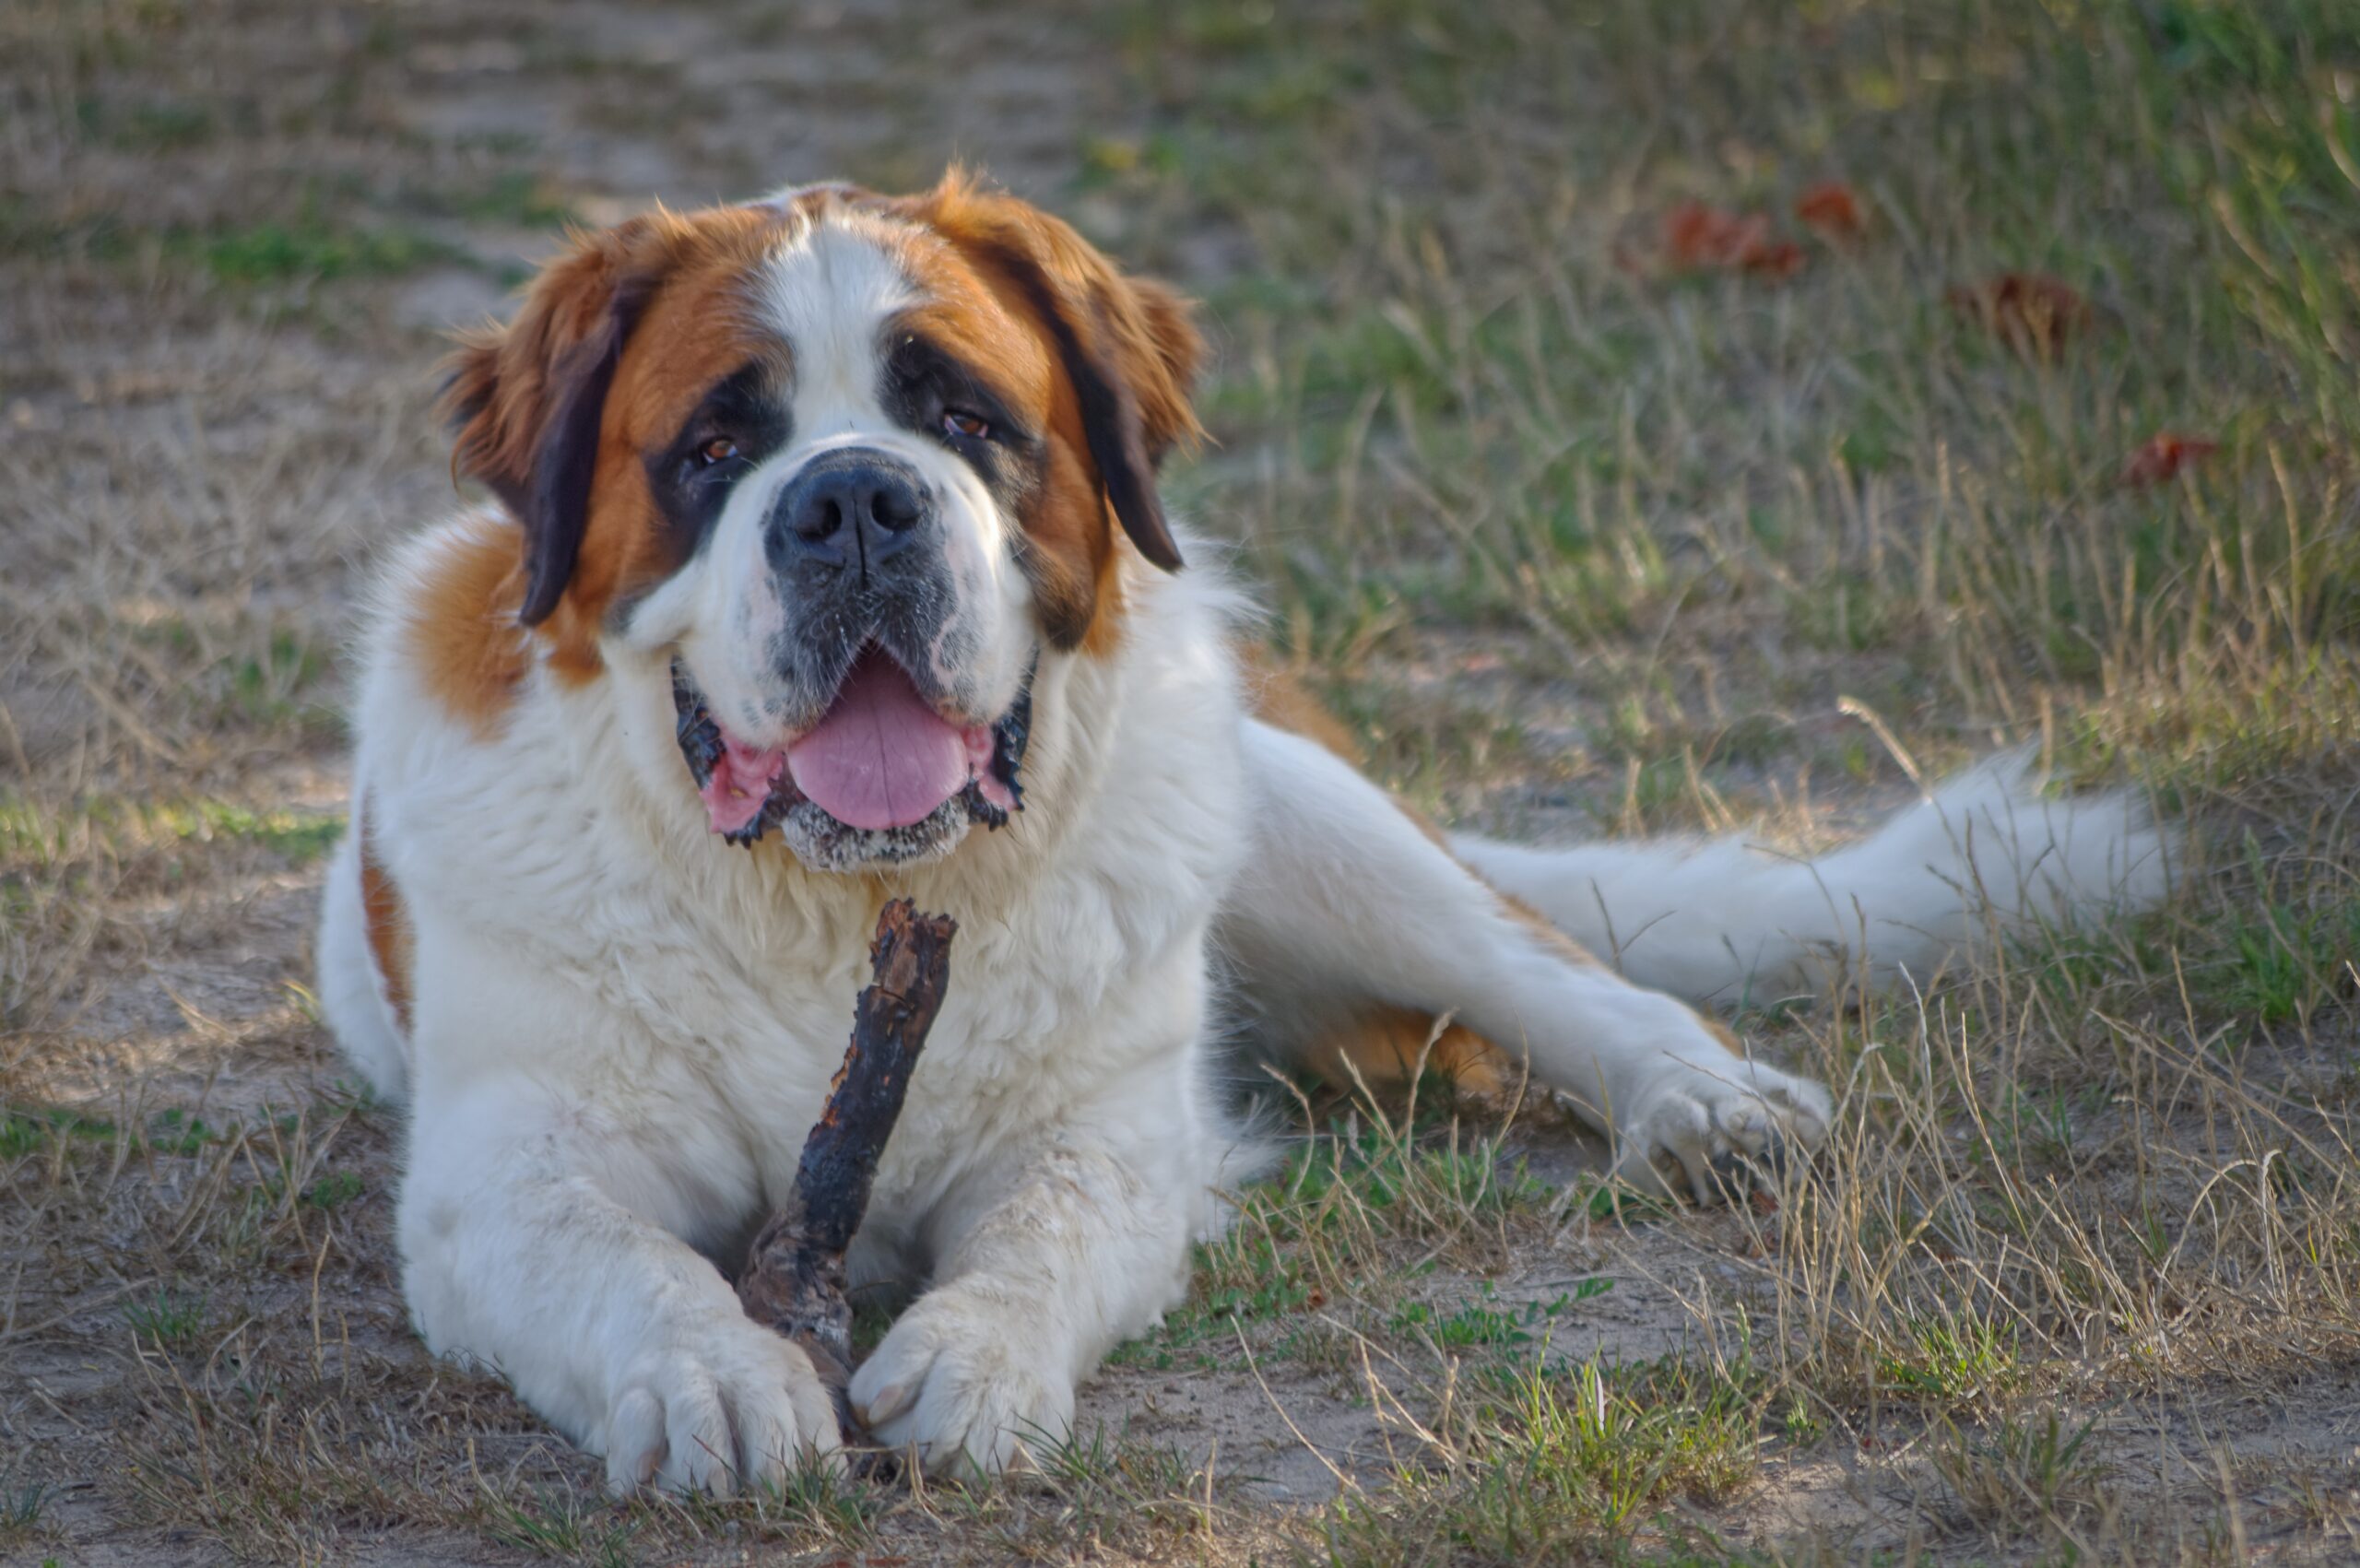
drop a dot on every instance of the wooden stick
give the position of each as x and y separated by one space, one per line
794 1278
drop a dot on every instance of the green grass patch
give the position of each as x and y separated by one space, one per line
309 248
23 1500
516 197
276 685
171 1319
150 125
2023 1477
812 1506
2280 960
1558 1464
557 1524
301 837
26 1130
1398 1184
1321 1231
34 835
334 1190
1487 1322
1952 1358
305 249
175 1131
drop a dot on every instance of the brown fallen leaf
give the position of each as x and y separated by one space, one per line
1773 258
1698 238
2160 460
2032 313
1832 209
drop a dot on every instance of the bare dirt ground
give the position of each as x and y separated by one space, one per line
1597 512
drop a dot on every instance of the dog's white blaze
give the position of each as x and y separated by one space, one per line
826 289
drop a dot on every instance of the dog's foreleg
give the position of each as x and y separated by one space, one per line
1049 1256
542 1235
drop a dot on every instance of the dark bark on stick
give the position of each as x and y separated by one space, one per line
794 1278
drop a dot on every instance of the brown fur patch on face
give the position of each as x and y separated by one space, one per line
615 344
982 318
691 335
1103 364
392 943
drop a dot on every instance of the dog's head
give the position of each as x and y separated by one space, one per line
853 464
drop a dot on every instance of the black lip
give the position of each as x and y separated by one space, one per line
1011 732
694 727
702 748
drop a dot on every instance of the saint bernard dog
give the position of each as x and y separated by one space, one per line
826 565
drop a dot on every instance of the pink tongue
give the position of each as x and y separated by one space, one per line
881 758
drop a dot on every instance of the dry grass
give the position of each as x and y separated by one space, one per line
1586 544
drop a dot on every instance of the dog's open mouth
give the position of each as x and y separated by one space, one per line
880 766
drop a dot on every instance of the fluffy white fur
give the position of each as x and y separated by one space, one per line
1983 855
621 1027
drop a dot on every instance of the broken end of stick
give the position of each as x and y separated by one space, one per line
909 949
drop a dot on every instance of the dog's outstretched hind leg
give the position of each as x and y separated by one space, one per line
1349 903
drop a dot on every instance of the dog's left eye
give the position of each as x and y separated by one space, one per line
968 427
720 449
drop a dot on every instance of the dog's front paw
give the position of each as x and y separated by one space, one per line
722 1406
966 1380
1718 1126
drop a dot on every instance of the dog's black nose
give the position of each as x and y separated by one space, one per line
854 507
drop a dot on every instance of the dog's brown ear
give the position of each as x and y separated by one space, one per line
1127 343
527 397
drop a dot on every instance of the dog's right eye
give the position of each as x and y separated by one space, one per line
720 449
